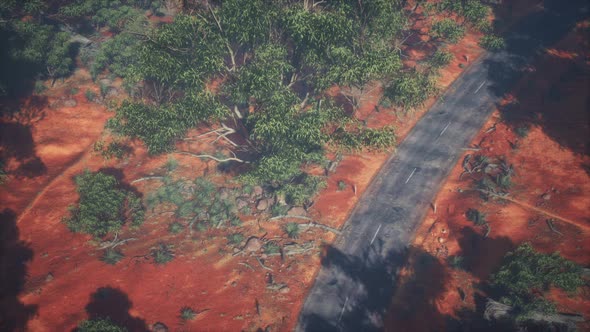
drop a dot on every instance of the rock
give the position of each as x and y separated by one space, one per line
159 327
258 191
240 203
546 196
285 290
441 240
70 103
253 244
234 284
49 277
263 204
297 211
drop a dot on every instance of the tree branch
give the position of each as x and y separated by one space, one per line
211 157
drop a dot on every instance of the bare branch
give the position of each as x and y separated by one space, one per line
211 157
147 178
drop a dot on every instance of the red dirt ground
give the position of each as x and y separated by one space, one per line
204 275
551 182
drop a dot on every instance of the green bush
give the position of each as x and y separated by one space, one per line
40 87
492 43
175 227
235 239
279 210
411 89
341 185
90 95
440 58
103 205
301 193
162 254
448 29
187 313
271 247
99 325
476 217
112 256
526 276
522 131
292 229
456 262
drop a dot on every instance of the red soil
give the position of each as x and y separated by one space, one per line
551 182
204 275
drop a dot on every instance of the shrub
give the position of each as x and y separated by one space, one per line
411 89
187 313
271 247
90 95
73 91
163 254
476 217
99 325
492 43
292 229
522 131
39 87
112 256
301 193
103 205
448 29
235 238
104 89
341 185
456 262
526 276
440 58
175 227
279 210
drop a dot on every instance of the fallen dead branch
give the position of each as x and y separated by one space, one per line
212 157
147 178
495 311
114 243
263 266
311 223
552 227
247 265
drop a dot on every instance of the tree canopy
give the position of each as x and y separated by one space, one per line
526 275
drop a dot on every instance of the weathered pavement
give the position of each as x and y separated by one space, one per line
355 285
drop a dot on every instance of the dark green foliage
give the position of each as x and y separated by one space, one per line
3 173
522 131
476 217
341 185
59 62
162 254
175 227
377 139
292 229
492 43
90 95
99 325
112 256
103 206
300 193
440 58
456 262
271 247
474 12
526 276
279 210
160 126
187 313
117 55
235 239
448 30
411 89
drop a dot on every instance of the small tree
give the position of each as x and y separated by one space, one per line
447 29
99 325
103 205
526 276
411 89
492 43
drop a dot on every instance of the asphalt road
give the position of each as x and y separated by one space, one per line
355 285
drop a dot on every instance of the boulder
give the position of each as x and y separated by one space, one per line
159 327
70 103
297 211
263 204
253 244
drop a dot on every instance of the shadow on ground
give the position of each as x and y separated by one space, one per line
115 304
14 255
